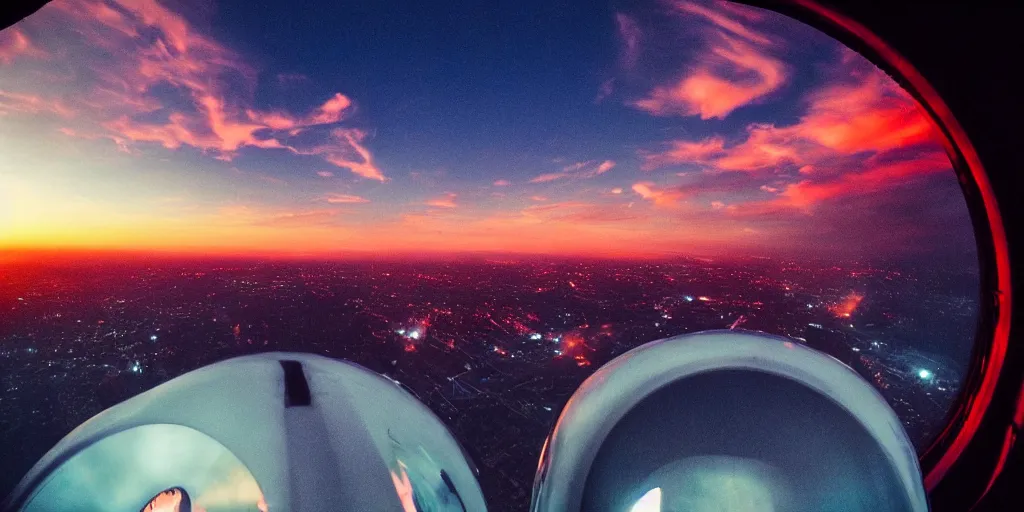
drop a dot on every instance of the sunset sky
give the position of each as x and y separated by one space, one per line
550 127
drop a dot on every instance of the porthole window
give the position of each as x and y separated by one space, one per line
483 203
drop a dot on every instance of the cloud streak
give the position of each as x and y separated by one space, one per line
134 50
345 199
446 201
15 43
732 73
629 37
664 197
578 170
866 115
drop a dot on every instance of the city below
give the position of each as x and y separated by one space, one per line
494 346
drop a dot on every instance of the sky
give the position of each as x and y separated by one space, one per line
542 127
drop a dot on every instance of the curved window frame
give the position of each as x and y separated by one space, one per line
992 335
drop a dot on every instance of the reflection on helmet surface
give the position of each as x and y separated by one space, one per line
713 483
175 468
422 485
743 441
174 499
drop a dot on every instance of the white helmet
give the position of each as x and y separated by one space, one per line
273 431
726 420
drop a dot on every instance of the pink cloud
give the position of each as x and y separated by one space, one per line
709 93
232 134
629 35
345 199
576 166
682 152
604 167
299 219
869 115
748 13
806 194
147 45
502 183
764 147
539 198
616 190
872 114
447 201
725 22
731 73
551 176
32 104
325 174
14 42
170 135
331 111
272 120
361 163
660 197
577 170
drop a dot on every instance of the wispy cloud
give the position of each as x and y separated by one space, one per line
348 152
629 38
659 196
325 174
345 199
14 43
868 114
502 183
446 201
144 48
732 72
605 90
27 103
578 170
551 176
805 195
724 22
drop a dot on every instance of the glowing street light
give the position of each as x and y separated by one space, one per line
924 374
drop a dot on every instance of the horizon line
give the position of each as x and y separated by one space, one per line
9 255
